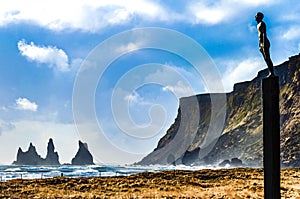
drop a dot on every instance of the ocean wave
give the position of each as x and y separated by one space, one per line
34 172
12 169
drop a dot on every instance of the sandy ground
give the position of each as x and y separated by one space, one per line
223 183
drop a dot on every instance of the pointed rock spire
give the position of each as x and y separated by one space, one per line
52 157
83 156
30 157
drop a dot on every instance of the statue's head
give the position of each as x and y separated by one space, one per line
259 16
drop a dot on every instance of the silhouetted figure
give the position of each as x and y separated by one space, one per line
264 43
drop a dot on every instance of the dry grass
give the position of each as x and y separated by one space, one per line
223 183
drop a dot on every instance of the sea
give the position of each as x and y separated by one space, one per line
10 172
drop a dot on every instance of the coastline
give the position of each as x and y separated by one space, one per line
205 183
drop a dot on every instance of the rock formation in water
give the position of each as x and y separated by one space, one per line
83 156
242 134
51 157
31 157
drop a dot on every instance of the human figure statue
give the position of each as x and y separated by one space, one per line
264 43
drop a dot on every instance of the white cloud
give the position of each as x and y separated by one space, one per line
135 100
3 108
254 2
180 89
239 71
252 28
208 12
6 126
176 79
129 47
25 104
132 97
90 15
292 33
75 64
93 15
50 55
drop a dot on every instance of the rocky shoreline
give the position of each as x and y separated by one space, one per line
206 183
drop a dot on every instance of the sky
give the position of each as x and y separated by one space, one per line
131 94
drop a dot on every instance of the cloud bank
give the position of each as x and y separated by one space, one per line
92 16
89 16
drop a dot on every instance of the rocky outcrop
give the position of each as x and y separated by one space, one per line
31 157
52 157
235 162
241 136
83 156
224 163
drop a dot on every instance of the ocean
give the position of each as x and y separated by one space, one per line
9 172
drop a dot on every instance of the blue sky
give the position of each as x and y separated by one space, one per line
44 44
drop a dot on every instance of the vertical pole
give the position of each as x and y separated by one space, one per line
271 137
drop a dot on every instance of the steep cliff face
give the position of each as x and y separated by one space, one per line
241 135
83 156
290 116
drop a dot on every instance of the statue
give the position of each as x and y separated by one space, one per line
264 43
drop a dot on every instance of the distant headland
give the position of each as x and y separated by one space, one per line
31 157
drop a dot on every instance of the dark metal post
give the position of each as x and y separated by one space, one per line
271 137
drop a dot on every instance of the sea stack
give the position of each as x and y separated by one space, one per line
83 156
30 157
52 157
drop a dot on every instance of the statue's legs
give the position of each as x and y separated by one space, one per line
266 55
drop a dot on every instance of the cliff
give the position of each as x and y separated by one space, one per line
186 141
83 156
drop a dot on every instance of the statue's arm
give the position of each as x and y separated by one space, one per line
263 34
